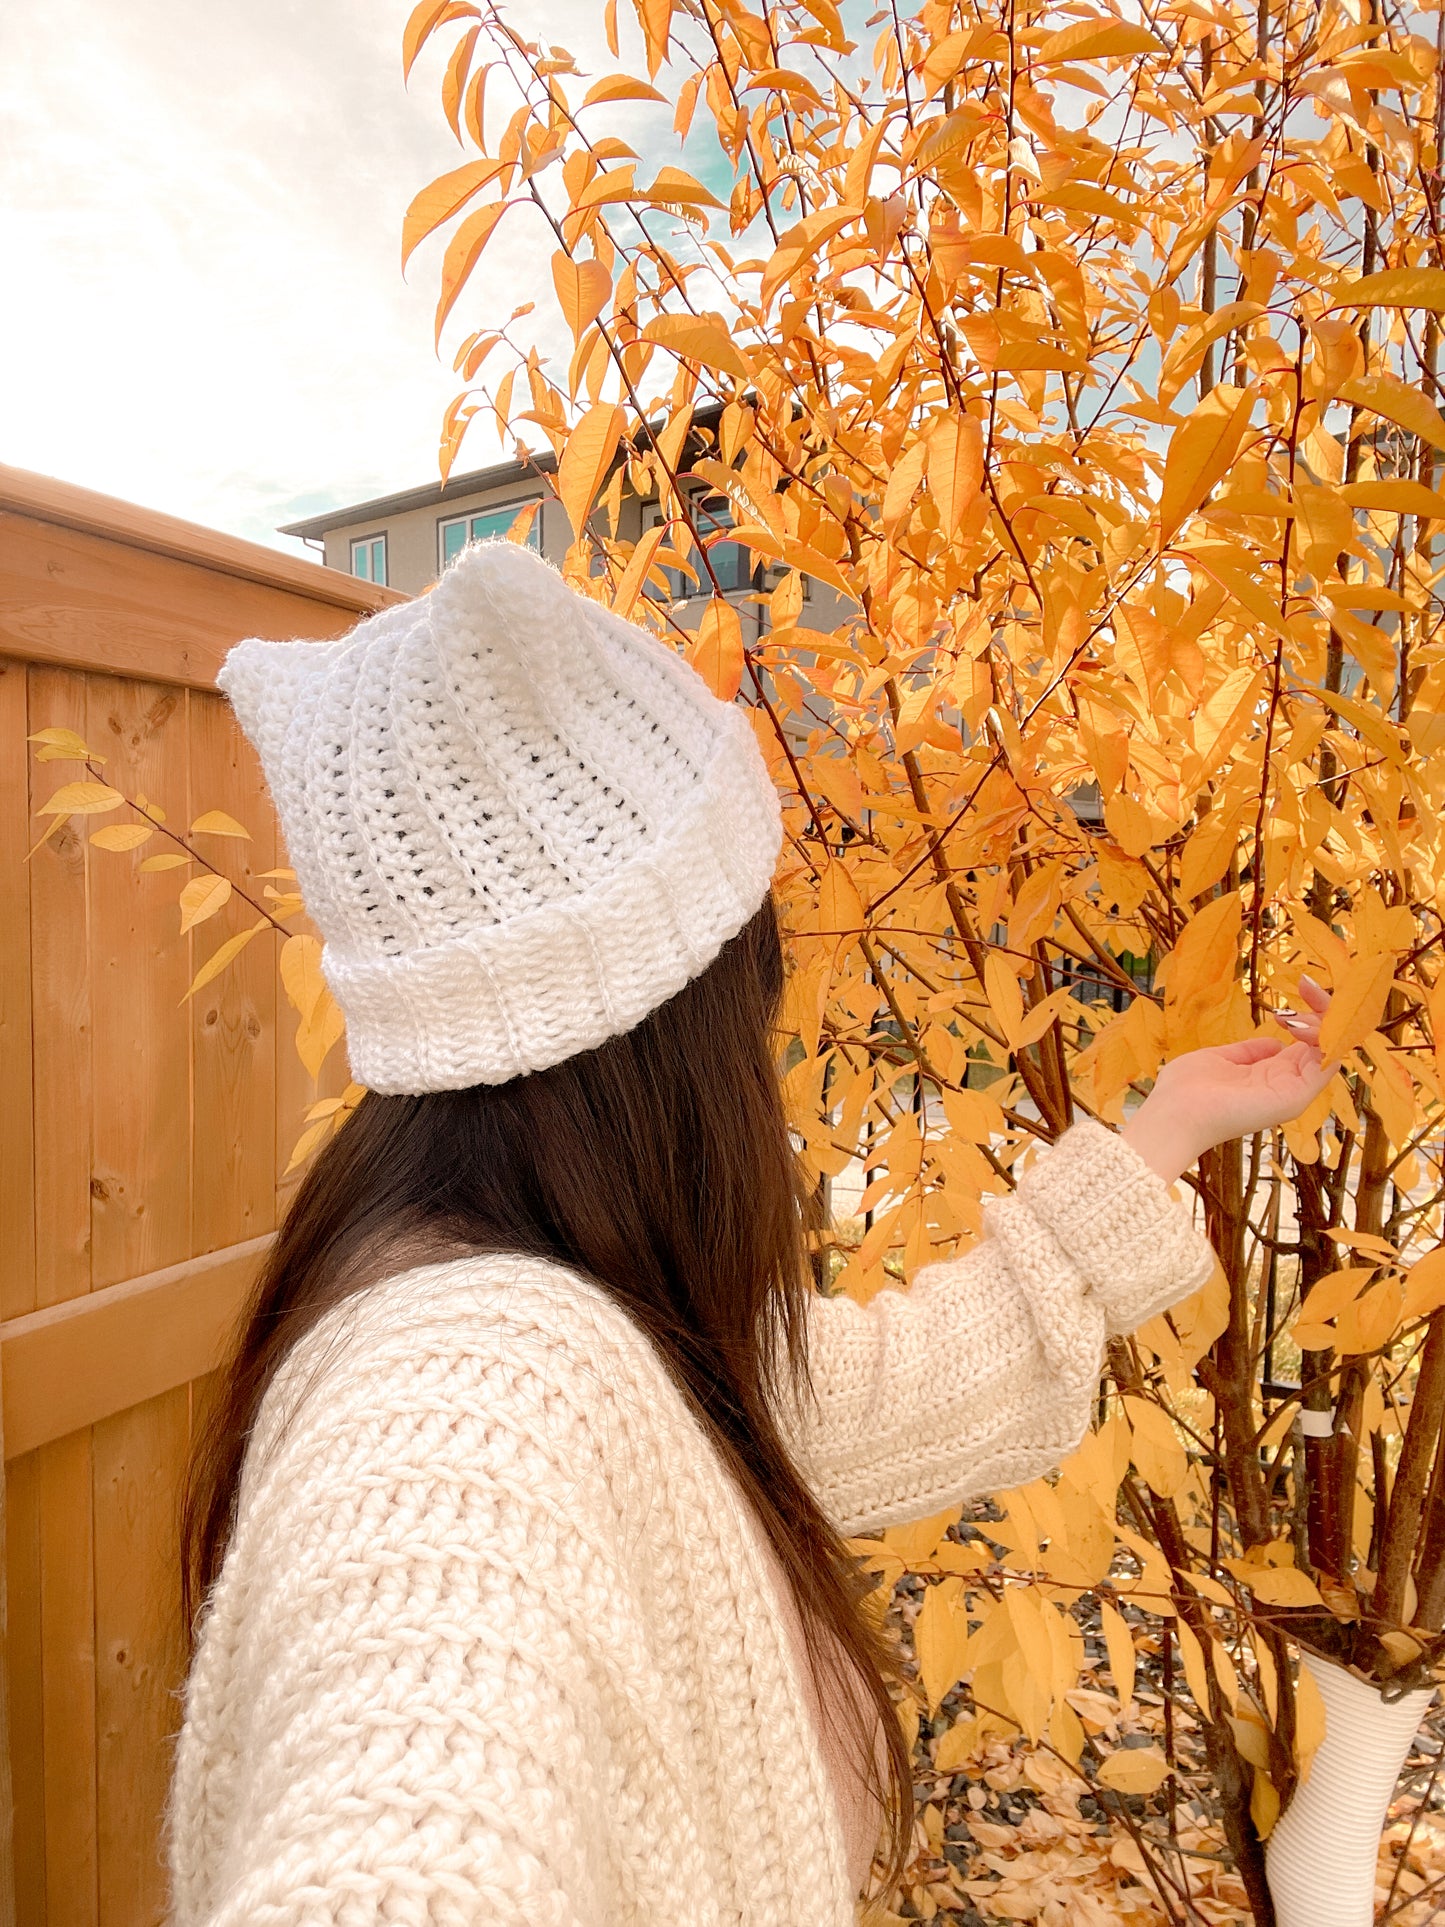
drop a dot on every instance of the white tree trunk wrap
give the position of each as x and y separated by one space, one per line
1321 1857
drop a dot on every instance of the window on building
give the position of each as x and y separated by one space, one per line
484 527
368 558
732 562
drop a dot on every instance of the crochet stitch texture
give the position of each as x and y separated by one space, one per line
519 822
496 1638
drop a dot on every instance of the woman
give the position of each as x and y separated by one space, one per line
519 1519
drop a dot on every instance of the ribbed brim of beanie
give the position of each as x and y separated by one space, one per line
519 822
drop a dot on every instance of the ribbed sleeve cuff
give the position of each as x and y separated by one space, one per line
1136 1246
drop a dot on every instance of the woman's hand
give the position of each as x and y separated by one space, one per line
1207 1097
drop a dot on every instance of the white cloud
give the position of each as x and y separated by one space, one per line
200 213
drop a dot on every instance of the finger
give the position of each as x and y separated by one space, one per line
1253 1050
1306 1029
1317 999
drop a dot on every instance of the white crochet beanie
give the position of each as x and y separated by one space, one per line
519 822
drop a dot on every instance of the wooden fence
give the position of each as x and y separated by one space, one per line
142 1146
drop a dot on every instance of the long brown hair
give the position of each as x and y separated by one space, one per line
659 1166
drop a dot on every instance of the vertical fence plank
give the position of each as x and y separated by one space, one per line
60 986
139 1456
139 969
233 1018
27 1710
17 1119
67 1643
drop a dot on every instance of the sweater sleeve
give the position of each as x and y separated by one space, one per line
404 1713
981 1375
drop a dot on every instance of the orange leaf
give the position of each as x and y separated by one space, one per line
583 288
1201 452
1425 1286
698 338
619 87
634 576
1397 401
422 23
464 250
1358 1004
717 654
586 459
1396 288
674 188
441 200
202 898
955 467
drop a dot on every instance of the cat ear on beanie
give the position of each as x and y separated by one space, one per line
519 822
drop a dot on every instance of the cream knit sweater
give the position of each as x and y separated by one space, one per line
497 1639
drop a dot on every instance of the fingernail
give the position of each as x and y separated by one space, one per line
1310 982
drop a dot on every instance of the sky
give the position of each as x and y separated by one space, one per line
200 220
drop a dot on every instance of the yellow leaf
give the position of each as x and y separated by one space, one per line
443 198
217 823
1358 1004
1283 1586
168 860
1196 1672
1425 1286
799 242
1309 1721
973 1115
123 836
202 898
1371 1321
423 21
301 976
700 339
918 1540
1263 1803
82 799
1156 1450
674 187
1134 1769
1201 452
940 1636
840 907
904 478
583 289
634 576
1397 401
62 746
1122 1658
1005 999
1395 288
1131 825
586 460
955 467
316 1035
218 959
1396 498
717 654
464 250
1097 39
619 87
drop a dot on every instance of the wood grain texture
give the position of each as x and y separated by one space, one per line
139 967
60 987
75 599
7 1788
138 1461
27 1711
233 1018
17 1119
69 1365
67 1645
62 505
